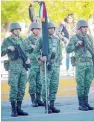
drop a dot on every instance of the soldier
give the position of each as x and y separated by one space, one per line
80 44
17 74
53 67
35 85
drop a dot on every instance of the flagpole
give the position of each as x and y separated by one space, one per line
46 88
45 45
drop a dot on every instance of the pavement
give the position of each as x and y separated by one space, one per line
67 105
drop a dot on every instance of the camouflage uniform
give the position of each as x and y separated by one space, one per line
17 74
35 85
53 74
84 66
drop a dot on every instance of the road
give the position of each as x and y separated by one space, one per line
67 105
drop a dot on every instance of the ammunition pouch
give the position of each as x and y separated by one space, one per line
73 61
6 65
49 67
53 55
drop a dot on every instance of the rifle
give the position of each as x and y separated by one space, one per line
88 46
91 50
49 66
20 54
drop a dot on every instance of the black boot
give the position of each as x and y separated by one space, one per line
19 110
86 103
14 109
49 110
54 110
33 99
38 98
82 104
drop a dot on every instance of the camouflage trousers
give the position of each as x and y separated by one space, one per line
17 81
35 85
52 83
84 77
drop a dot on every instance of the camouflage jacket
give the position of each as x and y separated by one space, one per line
80 52
32 40
54 46
4 50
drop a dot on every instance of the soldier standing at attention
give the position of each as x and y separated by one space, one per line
53 68
35 85
82 45
17 74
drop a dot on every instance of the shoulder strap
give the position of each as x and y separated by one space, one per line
78 37
11 41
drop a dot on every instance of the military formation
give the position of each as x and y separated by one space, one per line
26 56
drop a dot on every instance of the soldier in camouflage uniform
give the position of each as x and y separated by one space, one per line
53 69
17 74
35 85
83 63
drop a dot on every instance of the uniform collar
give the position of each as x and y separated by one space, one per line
52 36
34 37
14 37
81 34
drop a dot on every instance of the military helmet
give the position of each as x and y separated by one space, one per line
81 23
14 25
35 25
51 25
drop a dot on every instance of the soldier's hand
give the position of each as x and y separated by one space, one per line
12 48
32 46
28 61
79 43
44 58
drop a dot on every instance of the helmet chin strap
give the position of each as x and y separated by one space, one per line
35 34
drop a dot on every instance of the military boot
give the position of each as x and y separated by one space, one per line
86 103
14 109
38 99
82 104
54 110
49 110
33 99
19 110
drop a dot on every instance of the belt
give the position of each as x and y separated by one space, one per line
84 59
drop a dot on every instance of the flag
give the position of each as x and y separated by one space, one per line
43 18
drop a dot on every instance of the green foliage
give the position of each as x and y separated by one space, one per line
14 11
57 10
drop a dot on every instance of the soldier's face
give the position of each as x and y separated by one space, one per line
36 32
16 32
84 29
51 31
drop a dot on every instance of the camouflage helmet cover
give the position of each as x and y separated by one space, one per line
14 25
35 25
51 25
81 23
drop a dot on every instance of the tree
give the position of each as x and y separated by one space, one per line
57 10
